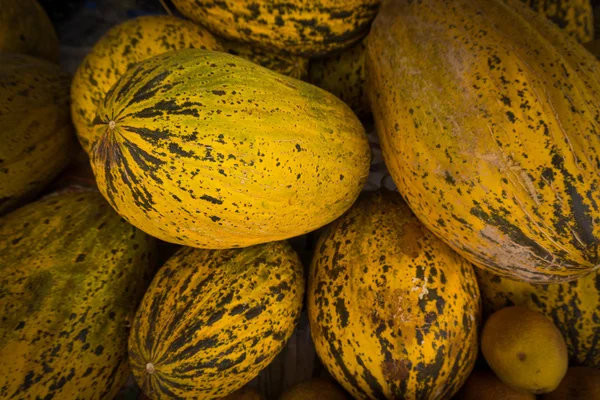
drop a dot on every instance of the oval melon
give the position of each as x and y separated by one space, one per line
573 307
210 150
305 27
26 29
36 135
120 48
213 319
73 273
488 117
393 310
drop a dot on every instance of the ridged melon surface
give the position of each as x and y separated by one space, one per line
488 117
393 310
36 135
210 150
71 275
120 48
302 27
213 319
573 306
26 29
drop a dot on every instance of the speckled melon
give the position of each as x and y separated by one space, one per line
36 135
26 29
393 310
493 137
302 27
71 275
120 48
290 65
213 319
210 150
343 74
573 306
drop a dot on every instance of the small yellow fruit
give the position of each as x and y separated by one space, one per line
315 388
486 386
525 349
580 383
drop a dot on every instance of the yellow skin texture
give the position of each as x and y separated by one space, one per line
36 136
26 29
524 349
314 388
73 273
393 310
120 48
492 138
294 66
487 386
580 383
343 74
574 16
213 319
302 27
573 307
210 150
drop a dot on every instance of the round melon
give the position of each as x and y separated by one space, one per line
573 306
210 150
393 310
213 319
120 48
26 29
36 135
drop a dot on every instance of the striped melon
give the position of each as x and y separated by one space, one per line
343 74
72 273
573 306
302 27
290 65
36 136
210 150
213 319
493 136
120 48
393 310
26 29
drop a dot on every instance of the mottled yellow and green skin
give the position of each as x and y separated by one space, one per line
72 273
36 135
343 74
575 17
26 29
393 310
301 27
286 64
573 306
211 150
213 319
493 137
119 49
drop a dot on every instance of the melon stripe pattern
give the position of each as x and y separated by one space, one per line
210 150
488 116
72 274
213 319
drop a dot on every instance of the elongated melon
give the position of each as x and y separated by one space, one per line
72 273
489 123
573 306
36 135
393 310
210 150
26 29
290 65
301 27
120 48
213 319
